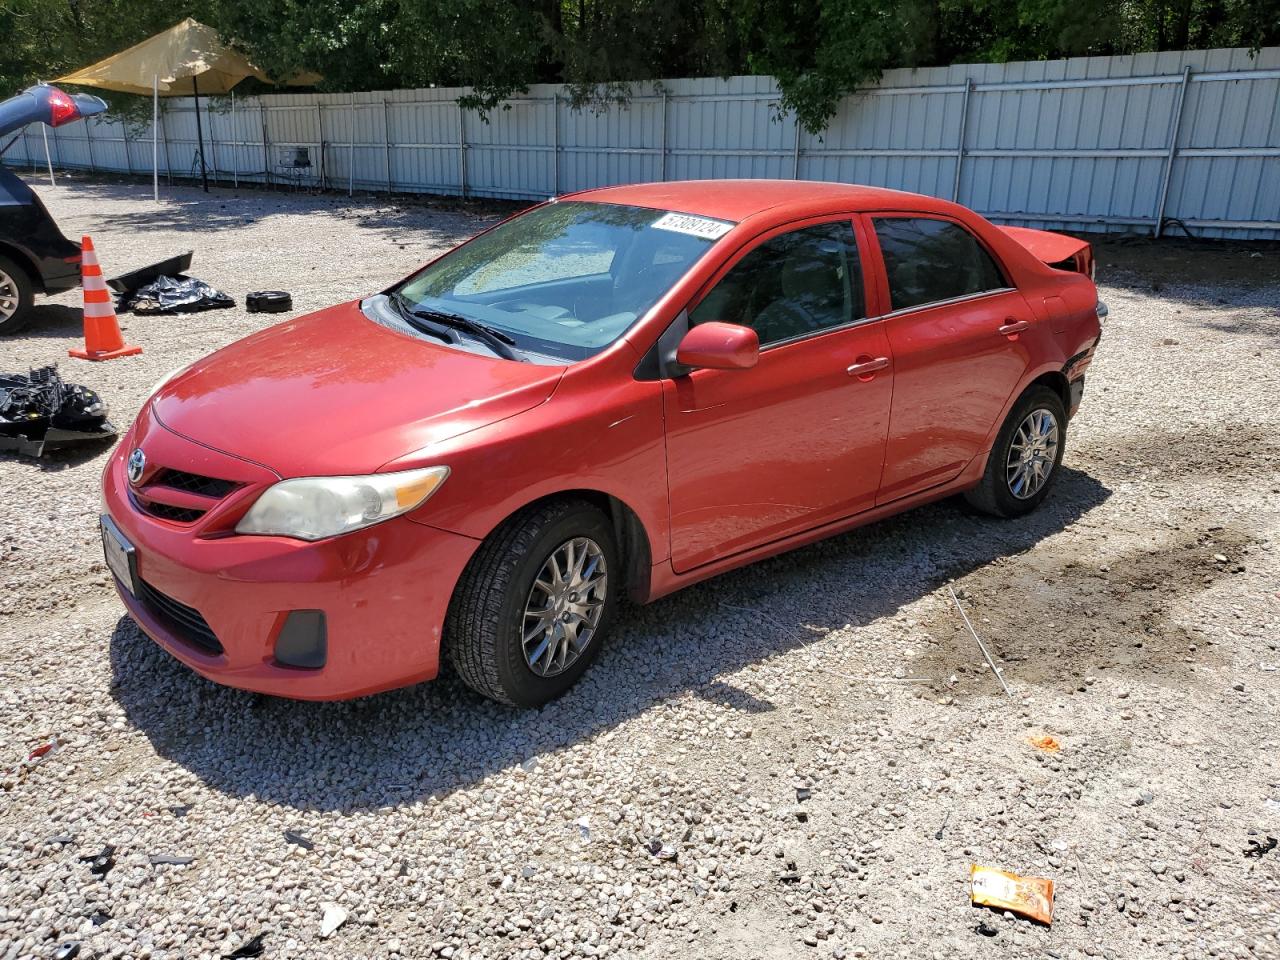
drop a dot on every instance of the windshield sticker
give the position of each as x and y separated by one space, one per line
703 227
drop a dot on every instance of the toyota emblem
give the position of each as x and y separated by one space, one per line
137 463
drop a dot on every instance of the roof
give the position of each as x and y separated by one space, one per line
738 199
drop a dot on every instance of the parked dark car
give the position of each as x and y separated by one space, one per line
34 255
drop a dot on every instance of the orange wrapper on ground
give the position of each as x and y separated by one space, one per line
1030 896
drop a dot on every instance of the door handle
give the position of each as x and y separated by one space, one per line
865 369
1013 327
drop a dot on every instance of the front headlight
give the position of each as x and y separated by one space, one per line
312 508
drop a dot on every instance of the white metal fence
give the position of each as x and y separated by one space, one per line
1092 143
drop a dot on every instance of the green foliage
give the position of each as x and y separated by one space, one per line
820 50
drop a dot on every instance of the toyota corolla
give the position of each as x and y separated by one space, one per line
613 394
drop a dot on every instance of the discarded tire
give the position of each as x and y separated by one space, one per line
269 301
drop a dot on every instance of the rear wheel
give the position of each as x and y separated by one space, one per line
15 297
1024 461
531 610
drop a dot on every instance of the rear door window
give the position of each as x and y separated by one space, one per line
930 260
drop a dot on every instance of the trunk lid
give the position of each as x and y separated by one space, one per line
45 104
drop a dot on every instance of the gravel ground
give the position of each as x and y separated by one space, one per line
654 811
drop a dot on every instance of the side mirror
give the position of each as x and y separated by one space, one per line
719 346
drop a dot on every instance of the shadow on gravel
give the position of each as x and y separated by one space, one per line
54 320
409 745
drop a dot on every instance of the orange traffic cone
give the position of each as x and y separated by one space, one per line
102 339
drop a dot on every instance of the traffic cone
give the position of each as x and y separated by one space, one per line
102 339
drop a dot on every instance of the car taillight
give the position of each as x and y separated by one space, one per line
62 109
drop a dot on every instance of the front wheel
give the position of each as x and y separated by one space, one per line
1024 461
532 608
15 297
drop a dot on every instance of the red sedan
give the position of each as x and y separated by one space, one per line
626 390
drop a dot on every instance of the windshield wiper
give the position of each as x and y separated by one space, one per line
497 341
410 317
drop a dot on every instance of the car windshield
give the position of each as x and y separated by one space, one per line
566 279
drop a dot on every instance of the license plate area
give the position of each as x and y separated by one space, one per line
122 559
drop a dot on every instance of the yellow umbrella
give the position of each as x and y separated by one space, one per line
185 60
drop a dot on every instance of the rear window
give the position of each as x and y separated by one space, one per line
930 260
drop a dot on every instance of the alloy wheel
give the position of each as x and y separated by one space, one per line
1032 454
564 606
8 296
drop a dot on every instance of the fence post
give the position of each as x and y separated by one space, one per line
664 135
128 156
386 140
964 123
555 143
795 154
26 145
266 146
351 149
235 143
462 149
164 137
88 139
1175 122
320 121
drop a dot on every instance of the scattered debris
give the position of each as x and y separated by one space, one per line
158 859
268 301
1045 743
986 929
38 411
981 646
67 951
802 816
99 918
251 948
945 819
134 279
584 829
663 851
1257 849
1029 896
100 864
62 839
334 917
803 794
180 294
180 811
293 836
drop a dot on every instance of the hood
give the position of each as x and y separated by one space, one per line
333 393
45 104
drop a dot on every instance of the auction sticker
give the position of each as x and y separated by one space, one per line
703 227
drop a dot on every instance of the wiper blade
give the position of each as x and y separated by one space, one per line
498 341
410 317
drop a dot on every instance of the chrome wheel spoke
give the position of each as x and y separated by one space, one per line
1033 454
564 606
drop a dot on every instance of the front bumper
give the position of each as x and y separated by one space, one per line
383 591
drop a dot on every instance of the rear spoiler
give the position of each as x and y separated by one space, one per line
45 104
1055 249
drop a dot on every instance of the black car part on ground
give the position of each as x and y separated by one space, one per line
268 301
178 294
175 266
39 412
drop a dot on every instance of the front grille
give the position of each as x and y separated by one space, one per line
166 512
186 622
150 498
193 483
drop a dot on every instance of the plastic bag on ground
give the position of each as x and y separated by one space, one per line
179 294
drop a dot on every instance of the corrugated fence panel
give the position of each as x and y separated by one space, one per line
1088 143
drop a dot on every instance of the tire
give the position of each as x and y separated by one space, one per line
998 492
485 629
16 297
